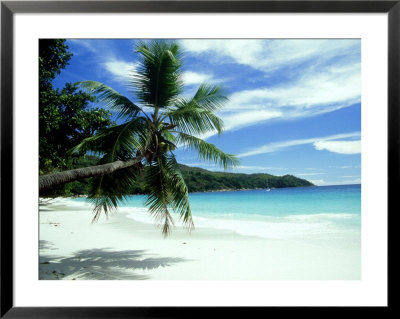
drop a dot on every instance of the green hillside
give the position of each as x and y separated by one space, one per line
201 180
197 180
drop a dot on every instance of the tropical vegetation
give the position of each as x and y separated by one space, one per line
65 118
141 146
200 180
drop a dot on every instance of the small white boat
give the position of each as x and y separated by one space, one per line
268 189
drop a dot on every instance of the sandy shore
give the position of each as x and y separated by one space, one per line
121 248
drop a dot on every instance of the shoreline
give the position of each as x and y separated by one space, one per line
217 191
120 248
209 191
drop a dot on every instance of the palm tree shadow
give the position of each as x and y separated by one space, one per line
102 264
45 244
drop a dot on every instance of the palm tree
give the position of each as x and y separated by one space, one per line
143 145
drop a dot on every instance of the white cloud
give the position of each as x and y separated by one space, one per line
260 167
120 70
321 182
329 78
270 54
341 147
309 96
191 78
234 120
87 44
241 51
352 181
277 146
106 58
309 174
238 119
318 182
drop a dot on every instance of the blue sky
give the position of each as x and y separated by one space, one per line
294 105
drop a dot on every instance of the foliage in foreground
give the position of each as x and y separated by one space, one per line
65 118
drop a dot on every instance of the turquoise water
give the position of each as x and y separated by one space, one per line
323 212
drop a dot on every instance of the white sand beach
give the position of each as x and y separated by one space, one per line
120 248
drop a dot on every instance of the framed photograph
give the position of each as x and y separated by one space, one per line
162 155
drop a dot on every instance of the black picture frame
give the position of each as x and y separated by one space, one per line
9 8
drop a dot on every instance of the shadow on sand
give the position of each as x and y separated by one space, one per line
100 264
45 244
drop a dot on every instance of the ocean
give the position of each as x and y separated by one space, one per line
328 215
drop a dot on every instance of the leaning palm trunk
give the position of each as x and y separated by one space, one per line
50 180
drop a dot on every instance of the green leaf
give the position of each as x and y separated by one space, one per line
197 116
207 151
157 81
111 99
117 141
166 187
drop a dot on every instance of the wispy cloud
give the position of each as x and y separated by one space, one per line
322 76
309 174
236 120
346 166
336 86
271 54
192 78
198 164
106 58
341 147
277 146
263 168
88 45
351 181
120 70
322 182
308 96
318 182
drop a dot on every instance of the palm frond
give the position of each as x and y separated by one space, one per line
111 99
122 142
179 193
192 119
207 151
167 135
210 97
108 191
156 184
167 188
158 78
127 138
197 115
